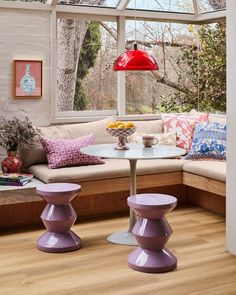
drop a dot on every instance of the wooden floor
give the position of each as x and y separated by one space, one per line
101 268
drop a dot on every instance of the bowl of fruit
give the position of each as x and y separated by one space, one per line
121 130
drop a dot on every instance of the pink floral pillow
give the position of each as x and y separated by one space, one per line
183 125
66 152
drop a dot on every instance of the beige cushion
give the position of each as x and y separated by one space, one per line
212 169
35 153
151 126
112 168
217 118
80 129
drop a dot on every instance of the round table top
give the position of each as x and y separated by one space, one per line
145 201
136 151
58 188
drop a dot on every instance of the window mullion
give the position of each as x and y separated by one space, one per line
121 75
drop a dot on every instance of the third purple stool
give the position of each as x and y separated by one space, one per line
58 216
152 232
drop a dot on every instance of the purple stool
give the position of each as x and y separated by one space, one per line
58 216
152 231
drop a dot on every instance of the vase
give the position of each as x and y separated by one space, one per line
27 83
11 164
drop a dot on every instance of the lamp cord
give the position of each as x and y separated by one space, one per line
135 27
198 70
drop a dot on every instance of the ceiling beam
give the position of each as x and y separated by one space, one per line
122 4
211 17
113 12
129 13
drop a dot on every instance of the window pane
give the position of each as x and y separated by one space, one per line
152 92
192 72
212 5
163 5
107 3
38 1
211 67
85 79
101 81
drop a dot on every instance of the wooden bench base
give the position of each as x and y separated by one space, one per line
106 197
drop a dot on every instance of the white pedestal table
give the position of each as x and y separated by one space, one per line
136 152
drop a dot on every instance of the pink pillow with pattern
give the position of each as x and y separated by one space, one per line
183 126
66 152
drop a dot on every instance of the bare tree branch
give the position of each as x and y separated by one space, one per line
156 75
149 44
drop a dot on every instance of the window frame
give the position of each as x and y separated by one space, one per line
120 16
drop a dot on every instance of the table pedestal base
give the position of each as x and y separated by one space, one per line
59 242
122 238
152 261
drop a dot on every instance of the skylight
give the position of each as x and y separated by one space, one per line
101 3
212 5
174 6
185 6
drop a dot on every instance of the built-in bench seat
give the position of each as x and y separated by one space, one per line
211 169
105 187
113 168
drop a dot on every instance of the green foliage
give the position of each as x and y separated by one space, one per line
176 103
206 73
207 68
89 51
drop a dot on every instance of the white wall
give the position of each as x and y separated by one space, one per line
231 129
25 34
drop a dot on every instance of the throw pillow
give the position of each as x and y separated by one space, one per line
183 126
66 152
163 138
209 142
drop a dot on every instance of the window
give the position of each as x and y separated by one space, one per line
212 5
191 61
89 84
152 92
185 6
192 68
106 3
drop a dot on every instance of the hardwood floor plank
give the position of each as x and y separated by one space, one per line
204 267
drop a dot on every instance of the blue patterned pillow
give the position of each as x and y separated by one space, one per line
209 142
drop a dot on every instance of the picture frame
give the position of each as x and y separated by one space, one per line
27 78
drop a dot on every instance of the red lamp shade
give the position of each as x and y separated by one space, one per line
135 60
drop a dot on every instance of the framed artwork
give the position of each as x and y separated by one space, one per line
27 78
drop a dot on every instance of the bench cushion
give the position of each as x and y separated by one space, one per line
36 155
211 169
112 168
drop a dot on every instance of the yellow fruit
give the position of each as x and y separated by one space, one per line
118 123
120 126
111 125
129 125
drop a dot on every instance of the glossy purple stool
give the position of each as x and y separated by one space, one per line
58 216
152 231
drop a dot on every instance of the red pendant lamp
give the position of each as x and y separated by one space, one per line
135 60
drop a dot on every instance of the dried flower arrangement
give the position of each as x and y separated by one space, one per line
16 133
